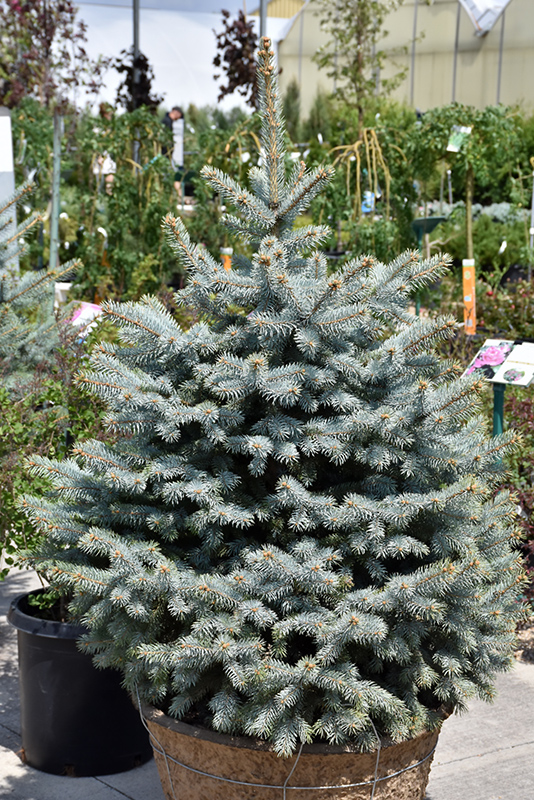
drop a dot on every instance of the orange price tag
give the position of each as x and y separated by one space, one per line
469 287
226 257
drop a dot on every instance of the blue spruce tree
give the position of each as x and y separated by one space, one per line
28 332
296 534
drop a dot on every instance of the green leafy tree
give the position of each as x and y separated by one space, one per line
40 412
493 148
353 58
33 128
118 236
351 55
296 535
319 120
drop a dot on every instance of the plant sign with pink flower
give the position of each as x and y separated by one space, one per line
491 355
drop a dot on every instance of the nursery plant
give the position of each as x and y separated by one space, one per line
295 535
39 400
27 318
118 236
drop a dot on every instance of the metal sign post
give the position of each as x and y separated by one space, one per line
531 231
498 408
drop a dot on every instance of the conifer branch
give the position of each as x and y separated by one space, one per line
299 508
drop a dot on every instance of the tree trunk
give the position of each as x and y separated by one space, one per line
469 191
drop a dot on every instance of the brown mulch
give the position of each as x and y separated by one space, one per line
525 642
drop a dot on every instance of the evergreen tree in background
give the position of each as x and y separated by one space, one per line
27 320
296 535
291 110
37 404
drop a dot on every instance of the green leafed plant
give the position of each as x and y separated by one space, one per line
296 534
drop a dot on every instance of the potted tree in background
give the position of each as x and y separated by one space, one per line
294 547
75 719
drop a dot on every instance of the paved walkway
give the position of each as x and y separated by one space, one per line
486 754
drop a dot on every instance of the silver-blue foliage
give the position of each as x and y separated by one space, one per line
295 534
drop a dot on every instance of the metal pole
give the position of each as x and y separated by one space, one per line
455 61
531 228
498 408
412 70
499 72
263 18
136 39
54 212
136 75
301 44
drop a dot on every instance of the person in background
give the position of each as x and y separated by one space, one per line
174 120
104 166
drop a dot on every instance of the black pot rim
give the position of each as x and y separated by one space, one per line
19 617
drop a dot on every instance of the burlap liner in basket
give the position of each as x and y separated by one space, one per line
402 772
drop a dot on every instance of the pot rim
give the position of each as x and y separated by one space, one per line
26 623
154 715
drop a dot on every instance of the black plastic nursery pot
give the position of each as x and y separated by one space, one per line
76 720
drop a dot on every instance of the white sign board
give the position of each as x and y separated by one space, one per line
7 174
458 135
6 142
484 13
518 367
503 361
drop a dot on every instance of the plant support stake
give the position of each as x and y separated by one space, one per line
469 295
